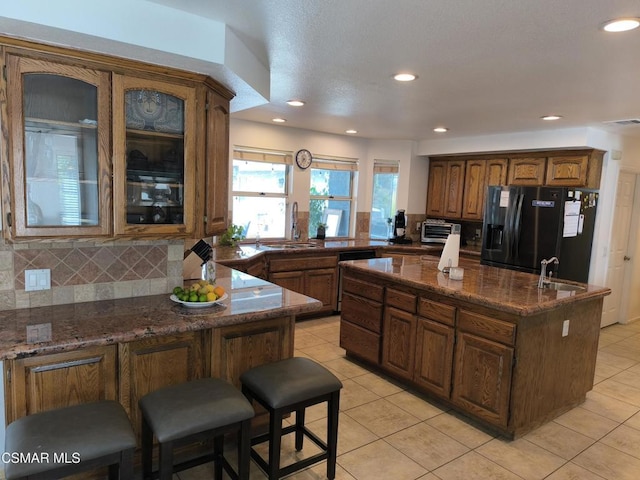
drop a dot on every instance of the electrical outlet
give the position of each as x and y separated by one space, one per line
37 280
565 328
418 225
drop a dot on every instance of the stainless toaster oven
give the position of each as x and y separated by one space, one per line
435 231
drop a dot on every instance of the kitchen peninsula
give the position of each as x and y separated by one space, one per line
122 349
492 345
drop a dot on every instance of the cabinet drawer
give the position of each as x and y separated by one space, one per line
361 311
360 342
288 264
437 311
486 327
402 300
363 289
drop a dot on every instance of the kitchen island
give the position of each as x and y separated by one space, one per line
492 345
122 349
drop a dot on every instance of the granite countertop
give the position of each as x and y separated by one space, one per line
68 327
249 251
497 288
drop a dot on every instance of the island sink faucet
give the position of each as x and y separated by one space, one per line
295 233
543 272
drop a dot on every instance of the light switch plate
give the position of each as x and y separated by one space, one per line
565 328
37 279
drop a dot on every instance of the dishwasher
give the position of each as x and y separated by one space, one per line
354 255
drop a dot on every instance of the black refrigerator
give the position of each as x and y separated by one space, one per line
524 225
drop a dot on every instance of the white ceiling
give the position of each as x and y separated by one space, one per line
485 66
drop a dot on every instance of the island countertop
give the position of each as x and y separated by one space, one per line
41 330
498 288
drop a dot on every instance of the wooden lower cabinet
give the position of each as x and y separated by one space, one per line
399 342
46 382
482 378
237 348
434 356
311 275
156 362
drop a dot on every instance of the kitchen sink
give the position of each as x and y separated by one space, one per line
567 287
291 245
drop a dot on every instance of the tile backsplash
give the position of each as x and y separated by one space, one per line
87 271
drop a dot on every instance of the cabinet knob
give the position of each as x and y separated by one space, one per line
626 259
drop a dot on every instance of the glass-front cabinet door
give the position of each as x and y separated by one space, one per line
59 150
154 157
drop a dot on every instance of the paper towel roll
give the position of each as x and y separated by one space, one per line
450 252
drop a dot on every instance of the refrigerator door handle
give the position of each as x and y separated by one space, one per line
517 225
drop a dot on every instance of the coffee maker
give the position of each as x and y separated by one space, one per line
400 228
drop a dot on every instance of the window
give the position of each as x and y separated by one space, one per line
260 188
331 196
383 204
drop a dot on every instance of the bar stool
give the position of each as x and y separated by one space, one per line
293 385
62 442
191 412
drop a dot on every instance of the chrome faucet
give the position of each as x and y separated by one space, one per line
295 234
543 280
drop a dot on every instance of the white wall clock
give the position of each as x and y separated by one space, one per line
304 158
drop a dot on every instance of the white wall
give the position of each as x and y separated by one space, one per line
412 177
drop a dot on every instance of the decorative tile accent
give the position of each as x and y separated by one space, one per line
77 266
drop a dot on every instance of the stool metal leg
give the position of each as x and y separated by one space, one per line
218 448
275 442
244 450
165 461
332 434
123 470
147 449
300 414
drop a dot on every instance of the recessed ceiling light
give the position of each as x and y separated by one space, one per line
295 103
551 117
278 120
440 129
351 131
405 77
621 25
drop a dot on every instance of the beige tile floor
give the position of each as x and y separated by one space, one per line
389 432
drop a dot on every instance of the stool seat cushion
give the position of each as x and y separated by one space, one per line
82 432
196 406
290 381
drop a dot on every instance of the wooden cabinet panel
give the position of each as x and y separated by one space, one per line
454 189
474 189
527 171
46 382
436 189
482 378
567 171
156 362
360 342
236 348
399 299
498 330
321 284
289 280
399 342
497 169
434 356
437 311
289 263
217 165
362 311
363 289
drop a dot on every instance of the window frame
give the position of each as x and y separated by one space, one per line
256 155
384 167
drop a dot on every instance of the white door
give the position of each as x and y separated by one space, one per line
618 250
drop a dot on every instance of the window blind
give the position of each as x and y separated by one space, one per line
267 156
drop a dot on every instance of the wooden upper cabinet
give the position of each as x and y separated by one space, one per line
567 170
217 164
497 169
154 157
446 182
474 189
59 126
527 171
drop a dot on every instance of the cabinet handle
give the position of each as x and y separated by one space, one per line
72 363
626 259
8 375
